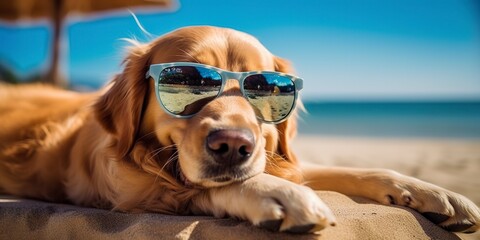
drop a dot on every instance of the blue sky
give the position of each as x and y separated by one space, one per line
369 49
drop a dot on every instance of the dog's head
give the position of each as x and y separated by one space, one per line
222 143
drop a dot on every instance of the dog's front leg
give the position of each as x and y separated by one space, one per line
450 210
269 202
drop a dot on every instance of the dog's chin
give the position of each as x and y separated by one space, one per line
208 179
225 180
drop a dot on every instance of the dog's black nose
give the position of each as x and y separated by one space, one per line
230 146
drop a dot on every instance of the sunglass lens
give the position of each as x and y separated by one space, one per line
272 95
184 90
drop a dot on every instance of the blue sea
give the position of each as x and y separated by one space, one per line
392 119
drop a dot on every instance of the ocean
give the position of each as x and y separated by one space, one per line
392 119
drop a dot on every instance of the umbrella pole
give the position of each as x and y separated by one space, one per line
53 75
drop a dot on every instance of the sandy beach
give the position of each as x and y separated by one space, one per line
450 163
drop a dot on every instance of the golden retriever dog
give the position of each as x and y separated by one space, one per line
127 147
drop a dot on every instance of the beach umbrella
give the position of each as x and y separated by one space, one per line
56 11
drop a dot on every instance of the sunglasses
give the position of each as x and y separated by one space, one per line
184 88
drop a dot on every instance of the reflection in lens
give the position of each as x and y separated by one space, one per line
184 90
272 95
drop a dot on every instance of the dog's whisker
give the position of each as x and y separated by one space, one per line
149 134
271 156
172 159
157 151
160 171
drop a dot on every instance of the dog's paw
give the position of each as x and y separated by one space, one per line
269 202
289 208
447 209
452 211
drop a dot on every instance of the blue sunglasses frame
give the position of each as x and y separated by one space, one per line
156 69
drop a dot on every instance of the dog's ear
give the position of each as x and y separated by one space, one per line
119 110
286 132
287 129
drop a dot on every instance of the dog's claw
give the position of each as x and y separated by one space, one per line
272 225
301 229
458 227
435 217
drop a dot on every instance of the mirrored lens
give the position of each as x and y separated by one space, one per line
271 95
184 90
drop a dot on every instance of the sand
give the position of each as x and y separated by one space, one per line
450 163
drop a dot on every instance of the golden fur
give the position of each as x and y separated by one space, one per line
116 148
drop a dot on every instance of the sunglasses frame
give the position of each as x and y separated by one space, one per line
156 69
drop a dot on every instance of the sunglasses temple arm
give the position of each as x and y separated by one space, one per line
299 84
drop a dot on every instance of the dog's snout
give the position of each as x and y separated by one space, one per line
230 146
